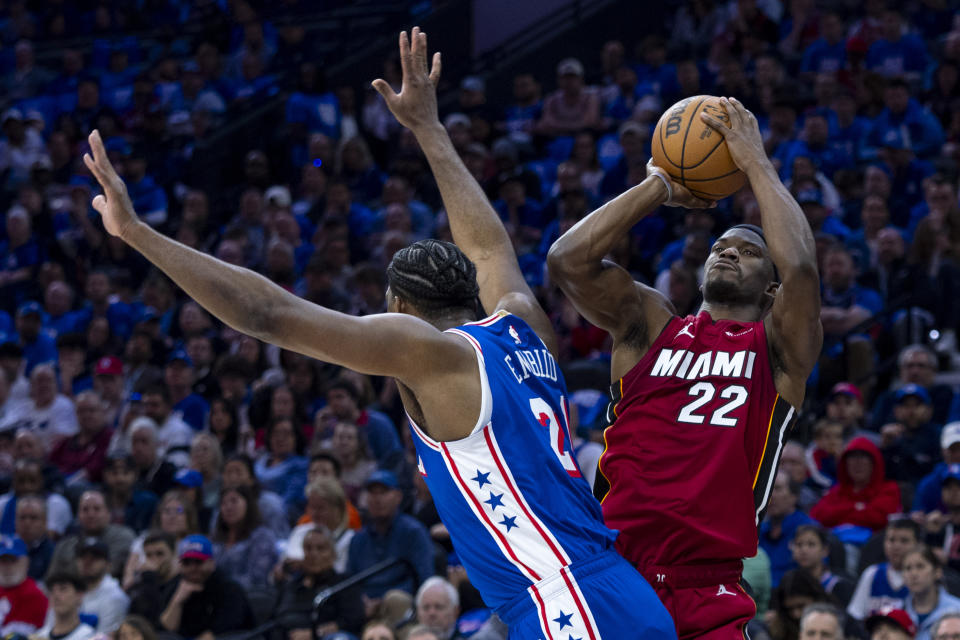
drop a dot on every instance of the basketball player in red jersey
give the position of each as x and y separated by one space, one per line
700 404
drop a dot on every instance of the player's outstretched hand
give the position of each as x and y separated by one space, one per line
416 104
679 196
114 205
743 135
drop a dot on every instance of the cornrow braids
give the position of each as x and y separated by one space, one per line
435 276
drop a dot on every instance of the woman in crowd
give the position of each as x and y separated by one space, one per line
244 548
223 422
283 469
174 515
811 548
238 472
136 628
342 612
351 451
928 600
206 458
796 590
378 630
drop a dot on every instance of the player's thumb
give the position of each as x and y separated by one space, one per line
100 204
380 86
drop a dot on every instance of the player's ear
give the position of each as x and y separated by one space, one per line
770 295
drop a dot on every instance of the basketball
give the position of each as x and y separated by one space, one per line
693 153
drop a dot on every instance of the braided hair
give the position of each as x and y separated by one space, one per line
435 276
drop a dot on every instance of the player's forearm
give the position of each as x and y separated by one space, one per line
475 226
239 297
583 248
789 238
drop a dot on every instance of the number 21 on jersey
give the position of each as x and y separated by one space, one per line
545 415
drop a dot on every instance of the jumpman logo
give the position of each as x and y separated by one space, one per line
722 591
685 331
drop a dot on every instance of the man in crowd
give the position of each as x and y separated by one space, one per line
882 585
82 456
108 382
103 598
343 400
910 445
438 605
23 606
31 527
154 473
93 520
157 581
927 496
780 524
66 596
821 621
917 364
28 480
205 602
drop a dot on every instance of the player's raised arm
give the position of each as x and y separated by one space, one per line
603 292
397 345
475 226
795 316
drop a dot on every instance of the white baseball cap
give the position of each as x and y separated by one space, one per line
950 435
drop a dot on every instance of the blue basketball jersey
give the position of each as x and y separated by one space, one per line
511 494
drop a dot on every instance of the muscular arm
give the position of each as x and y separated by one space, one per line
603 292
475 226
794 322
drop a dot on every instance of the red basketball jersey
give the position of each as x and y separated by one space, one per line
696 432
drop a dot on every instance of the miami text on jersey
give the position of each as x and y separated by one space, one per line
680 364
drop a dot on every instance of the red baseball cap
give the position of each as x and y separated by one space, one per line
108 366
898 617
846 389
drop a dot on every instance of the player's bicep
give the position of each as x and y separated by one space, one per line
387 344
610 299
795 321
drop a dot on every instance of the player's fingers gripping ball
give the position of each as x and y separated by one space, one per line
694 154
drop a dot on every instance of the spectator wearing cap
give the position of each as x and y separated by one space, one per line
48 413
809 196
520 117
928 599
128 504
81 457
779 525
941 525
29 480
26 606
910 445
387 533
173 434
205 600
891 624
244 547
927 497
573 106
342 612
103 598
179 376
37 345
108 384
861 497
917 364
93 521
31 527
344 403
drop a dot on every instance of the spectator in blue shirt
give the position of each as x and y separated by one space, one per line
780 524
920 129
283 469
148 197
178 376
21 256
815 143
388 534
58 304
37 346
344 402
896 53
911 444
520 117
827 54
928 495
848 131
810 198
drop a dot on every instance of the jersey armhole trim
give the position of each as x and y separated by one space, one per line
486 397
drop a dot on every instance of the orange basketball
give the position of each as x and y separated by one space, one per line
692 153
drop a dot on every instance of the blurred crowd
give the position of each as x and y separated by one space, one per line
165 474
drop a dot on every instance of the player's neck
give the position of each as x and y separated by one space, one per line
736 313
452 321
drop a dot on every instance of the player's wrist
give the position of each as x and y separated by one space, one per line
659 181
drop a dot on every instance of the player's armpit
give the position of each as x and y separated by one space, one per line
387 344
795 330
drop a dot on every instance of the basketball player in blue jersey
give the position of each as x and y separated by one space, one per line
486 399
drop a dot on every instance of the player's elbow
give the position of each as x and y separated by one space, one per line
561 261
